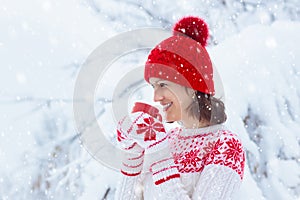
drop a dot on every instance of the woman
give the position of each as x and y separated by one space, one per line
204 159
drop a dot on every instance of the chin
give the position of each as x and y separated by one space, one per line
170 122
171 119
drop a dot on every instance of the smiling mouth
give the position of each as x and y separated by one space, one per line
167 106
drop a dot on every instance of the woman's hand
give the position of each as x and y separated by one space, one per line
143 126
137 132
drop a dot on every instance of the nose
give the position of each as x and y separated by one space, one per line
158 96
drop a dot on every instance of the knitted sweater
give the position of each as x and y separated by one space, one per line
210 161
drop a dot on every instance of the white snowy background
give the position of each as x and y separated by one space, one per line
254 45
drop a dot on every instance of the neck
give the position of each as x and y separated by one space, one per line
194 124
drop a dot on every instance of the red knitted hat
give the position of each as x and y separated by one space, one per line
182 58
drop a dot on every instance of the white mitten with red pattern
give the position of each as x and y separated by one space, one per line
138 131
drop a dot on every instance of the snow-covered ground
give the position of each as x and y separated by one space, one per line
43 44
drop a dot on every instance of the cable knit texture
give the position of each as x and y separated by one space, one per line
129 188
210 162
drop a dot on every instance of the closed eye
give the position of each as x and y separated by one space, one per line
158 84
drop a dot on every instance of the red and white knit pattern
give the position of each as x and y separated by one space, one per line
210 162
132 162
141 128
164 170
193 152
135 132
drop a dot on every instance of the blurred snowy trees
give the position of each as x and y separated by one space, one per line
225 17
56 166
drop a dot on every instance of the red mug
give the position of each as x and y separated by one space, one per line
146 108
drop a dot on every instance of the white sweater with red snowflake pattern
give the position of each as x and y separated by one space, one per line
210 161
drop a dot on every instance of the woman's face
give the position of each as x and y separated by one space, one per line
173 97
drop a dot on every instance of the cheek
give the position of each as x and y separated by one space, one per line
182 104
185 103
184 99
179 97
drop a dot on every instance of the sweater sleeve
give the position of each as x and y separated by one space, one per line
129 188
215 182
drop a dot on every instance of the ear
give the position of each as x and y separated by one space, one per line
191 92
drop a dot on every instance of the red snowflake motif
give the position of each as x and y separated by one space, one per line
211 151
218 144
149 128
209 147
216 148
234 151
190 158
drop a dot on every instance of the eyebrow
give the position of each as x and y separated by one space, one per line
155 81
